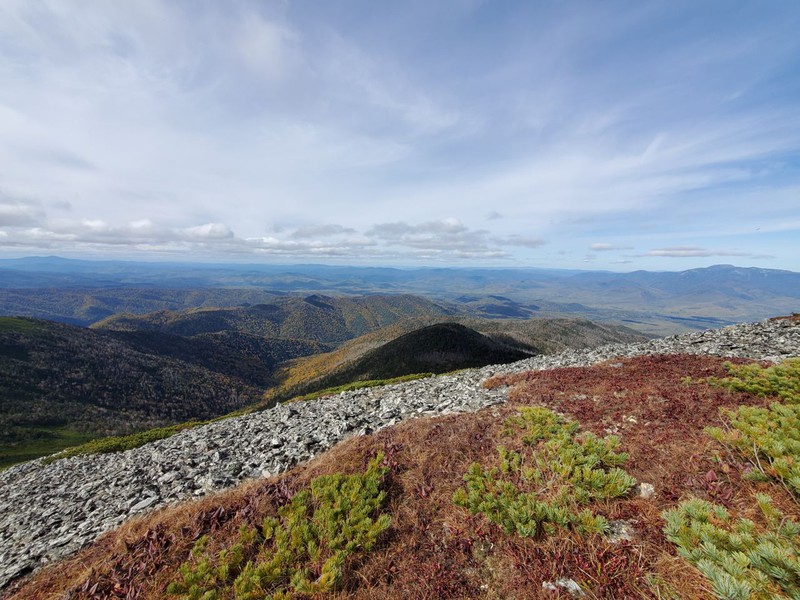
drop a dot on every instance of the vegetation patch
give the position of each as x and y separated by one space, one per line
742 560
32 442
19 325
782 380
358 385
769 438
122 442
544 486
304 550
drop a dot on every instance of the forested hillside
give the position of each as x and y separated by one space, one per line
62 384
434 349
84 306
315 317
516 338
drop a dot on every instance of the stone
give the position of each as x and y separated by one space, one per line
48 511
568 585
146 503
646 490
620 531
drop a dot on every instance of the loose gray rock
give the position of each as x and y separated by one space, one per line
50 511
568 585
646 490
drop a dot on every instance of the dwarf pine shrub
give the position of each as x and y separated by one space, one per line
741 560
302 551
781 380
769 438
544 486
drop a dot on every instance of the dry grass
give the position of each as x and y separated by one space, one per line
435 549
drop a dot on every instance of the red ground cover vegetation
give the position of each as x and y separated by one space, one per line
436 550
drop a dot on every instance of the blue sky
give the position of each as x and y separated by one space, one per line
602 135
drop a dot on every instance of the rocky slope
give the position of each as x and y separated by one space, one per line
50 510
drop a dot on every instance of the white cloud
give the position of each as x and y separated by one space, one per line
437 238
606 247
134 119
692 252
525 241
263 46
19 213
316 231
209 231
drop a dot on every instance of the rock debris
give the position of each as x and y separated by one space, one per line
50 511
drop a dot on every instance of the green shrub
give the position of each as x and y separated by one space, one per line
781 380
303 550
769 438
545 485
357 385
741 560
120 443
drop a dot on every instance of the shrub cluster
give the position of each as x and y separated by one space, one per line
544 486
767 437
781 380
741 560
302 551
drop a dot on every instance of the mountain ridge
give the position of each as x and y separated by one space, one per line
676 301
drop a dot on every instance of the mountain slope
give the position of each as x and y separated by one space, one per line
433 349
251 358
84 306
530 336
436 548
315 317
62 384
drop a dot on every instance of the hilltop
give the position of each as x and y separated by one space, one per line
434 546
435 348
480 340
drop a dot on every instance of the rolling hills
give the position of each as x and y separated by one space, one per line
315 317
513 337
661 303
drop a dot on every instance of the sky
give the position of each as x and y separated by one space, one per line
619 135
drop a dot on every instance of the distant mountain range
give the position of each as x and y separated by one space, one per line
84 292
